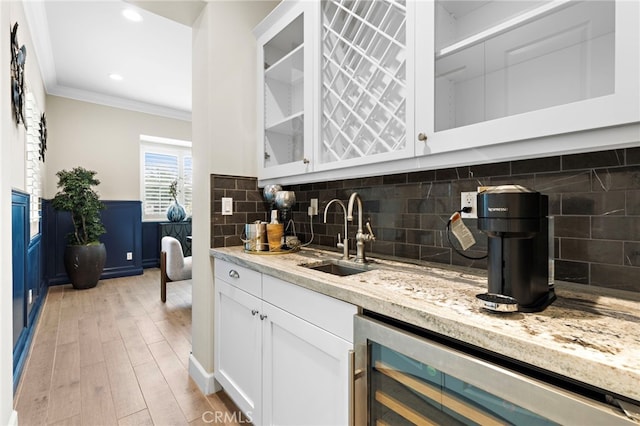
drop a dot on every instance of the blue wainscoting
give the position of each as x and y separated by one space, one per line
123 221
29 286
151 244
19 241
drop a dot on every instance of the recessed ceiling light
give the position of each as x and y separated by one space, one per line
116 77
132 15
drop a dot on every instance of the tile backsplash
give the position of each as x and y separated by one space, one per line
248 206
594 198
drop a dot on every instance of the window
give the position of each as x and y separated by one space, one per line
32 163
162 162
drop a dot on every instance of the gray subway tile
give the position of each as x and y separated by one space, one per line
594 203
618 277
632 253
577 181
422 176
592 160
577 272
425 238
633 156
633 202
572 226
591 250
493 169
536 165
616 228
435 254
618 178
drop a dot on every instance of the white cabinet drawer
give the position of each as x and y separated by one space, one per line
332 315
239 276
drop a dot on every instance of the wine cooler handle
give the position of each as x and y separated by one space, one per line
353 376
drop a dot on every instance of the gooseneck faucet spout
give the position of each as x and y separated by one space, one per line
361 237
345 242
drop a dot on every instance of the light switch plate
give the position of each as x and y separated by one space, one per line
227 206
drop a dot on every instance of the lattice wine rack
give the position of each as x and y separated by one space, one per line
363 79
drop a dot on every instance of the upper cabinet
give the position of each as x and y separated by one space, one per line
388 86
363 84
490 72
285 89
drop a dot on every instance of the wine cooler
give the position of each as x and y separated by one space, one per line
402 378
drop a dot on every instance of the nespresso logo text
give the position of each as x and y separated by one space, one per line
498 209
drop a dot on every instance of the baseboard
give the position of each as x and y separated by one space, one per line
13 419
117 272
205 381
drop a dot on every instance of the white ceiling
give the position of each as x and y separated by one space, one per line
80 43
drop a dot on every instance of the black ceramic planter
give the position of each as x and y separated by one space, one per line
84 264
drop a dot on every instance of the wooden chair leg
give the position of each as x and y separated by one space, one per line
163 276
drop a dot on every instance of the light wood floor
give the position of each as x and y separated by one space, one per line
116 355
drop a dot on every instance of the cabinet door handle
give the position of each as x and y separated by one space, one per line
263 317
234 274
254 312
305 161
422 137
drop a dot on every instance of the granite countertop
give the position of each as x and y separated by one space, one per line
592 336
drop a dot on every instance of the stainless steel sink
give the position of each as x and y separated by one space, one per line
335 267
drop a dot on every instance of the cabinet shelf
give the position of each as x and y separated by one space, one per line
289 69
287 126
506 26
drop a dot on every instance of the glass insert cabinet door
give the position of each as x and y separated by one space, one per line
285 85
507 70
516 57
405 391
401 378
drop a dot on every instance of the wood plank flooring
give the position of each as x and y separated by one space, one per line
116 355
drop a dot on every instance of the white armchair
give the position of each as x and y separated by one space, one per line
173 265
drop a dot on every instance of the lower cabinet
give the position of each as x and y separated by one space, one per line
282 355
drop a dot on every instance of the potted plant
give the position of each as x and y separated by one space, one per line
85 255
175 212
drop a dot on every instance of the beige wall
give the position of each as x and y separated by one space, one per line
224 133
103 139
12 175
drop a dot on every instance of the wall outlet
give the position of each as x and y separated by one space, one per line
469 199
227 206
314 207
129 255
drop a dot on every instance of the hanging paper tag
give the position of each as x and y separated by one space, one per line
461 232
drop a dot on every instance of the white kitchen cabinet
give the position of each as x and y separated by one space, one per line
282 355
238 337
495 72
363 84
305 372
285 89
412 85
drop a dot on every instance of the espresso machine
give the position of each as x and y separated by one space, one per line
520 271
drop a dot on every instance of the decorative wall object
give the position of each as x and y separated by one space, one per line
18 57
43 136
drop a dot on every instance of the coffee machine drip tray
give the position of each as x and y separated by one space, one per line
497 302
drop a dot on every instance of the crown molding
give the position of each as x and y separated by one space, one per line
38 24
116 102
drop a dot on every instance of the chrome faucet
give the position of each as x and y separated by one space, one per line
344 245
361 237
